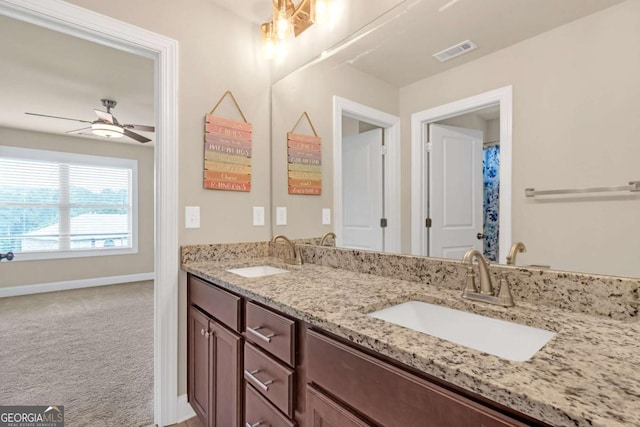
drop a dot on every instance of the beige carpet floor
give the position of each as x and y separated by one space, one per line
90 350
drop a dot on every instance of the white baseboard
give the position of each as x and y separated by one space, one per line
185 411
73 284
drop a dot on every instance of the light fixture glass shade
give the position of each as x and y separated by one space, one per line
321 11
106 129
283 27
268 40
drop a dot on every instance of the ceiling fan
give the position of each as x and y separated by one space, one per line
107 125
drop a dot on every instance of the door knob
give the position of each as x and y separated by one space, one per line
9 256
480 236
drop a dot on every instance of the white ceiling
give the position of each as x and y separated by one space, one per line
400 52
48 72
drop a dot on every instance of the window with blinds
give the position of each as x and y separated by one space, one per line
55 204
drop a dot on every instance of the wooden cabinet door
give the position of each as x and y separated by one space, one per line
226 380
324 412
198 363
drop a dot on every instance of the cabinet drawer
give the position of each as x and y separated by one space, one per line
271 378
272 332
258 409
389 395
218 303
323 411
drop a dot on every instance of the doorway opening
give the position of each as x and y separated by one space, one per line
366 177
461 177
88 25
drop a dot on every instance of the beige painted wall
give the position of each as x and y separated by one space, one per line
218 51
468 121
17 273
312 90
576 101
493 131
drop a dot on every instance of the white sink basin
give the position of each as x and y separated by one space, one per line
507 340
257 271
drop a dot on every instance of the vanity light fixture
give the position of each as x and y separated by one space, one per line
268 40
290 20
106 129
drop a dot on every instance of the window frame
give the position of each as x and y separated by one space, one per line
31 154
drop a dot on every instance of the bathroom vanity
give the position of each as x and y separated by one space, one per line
306 352
291 373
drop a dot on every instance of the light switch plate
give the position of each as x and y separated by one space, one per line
326 216
192 216
258 216
281 215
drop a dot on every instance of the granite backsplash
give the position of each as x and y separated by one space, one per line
612 297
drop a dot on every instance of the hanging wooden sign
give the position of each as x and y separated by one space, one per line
304 155
227 151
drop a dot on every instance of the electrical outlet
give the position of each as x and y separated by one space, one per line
192 216
281 215
258 216
326 216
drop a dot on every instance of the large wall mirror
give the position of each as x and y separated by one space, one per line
571 72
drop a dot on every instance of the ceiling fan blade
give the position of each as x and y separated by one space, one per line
78 130
104 116
141 127
58 117
136 136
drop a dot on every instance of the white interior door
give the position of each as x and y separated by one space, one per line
455 191
362 184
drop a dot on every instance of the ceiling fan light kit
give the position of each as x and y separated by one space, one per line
106 129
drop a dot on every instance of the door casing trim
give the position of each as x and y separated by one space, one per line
391 126
89 25
504 98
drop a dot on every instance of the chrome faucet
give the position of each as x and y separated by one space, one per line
515 248
327 236
294 256
487 291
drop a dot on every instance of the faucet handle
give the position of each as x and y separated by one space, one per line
297 256
470 285
504 294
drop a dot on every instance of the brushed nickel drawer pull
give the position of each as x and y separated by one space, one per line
258 424
205 334
252 376
263 337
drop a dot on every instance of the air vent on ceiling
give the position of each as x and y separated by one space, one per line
453 51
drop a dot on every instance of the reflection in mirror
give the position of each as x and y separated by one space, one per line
457 142
574 123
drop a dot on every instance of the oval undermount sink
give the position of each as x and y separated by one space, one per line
257 271
508 340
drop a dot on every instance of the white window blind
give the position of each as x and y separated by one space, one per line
55 204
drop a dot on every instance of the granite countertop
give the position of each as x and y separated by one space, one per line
587 375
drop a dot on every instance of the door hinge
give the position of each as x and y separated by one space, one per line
427 222
428 146
383 222
383 150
